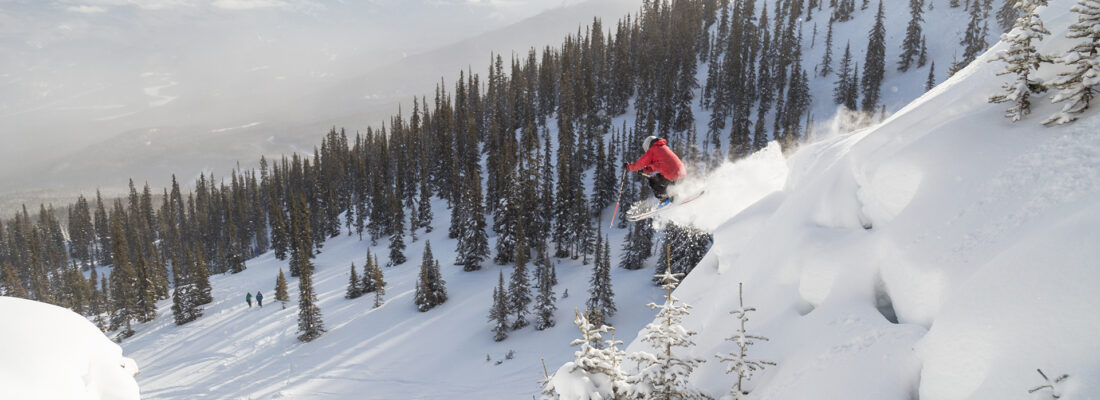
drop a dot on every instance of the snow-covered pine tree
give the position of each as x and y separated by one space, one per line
911 46
664 375
1076 86
601 299
355 288
498 314
874 65
737 360
545 300
519 289
596 370
1022 59
430 286
281 294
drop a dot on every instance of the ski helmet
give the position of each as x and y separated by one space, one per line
648 142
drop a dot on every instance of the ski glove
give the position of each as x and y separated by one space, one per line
626 165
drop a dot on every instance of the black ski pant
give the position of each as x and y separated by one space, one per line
659 184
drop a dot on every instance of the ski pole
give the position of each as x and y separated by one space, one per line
617 199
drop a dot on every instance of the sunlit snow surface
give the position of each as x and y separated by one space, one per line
51 353
979 235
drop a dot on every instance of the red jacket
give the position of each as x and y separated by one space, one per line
660 158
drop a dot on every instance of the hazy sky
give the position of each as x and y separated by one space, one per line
96 92
73 72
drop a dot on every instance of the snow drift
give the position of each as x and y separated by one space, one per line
48 352
944 254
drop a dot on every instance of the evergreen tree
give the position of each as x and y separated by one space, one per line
1007 14
844 9
842 86
498 315
279 241
310 324
973 41
874 65
355 289
430 287
368 285
201 276
738 362
397 246
931 82
424 205
1022 59
473 244
1076 86
10 282
519 289
597 365
185 308
923 57
912 45
664 375
378 281
281 294
601 300
545 300
827 59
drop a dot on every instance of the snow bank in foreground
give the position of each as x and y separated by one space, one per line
48 352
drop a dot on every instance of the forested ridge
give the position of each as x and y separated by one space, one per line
526 157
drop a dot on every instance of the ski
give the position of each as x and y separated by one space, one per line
649 213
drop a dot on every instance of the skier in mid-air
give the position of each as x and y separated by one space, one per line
660 165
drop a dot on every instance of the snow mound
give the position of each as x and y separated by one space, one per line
946 253
48 352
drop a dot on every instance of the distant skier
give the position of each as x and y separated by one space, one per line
259 299
248 299
661 167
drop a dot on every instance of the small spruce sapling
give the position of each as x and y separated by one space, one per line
664 375
738 362
595 372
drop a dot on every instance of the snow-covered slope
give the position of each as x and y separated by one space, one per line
944 254
393 352
51 353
